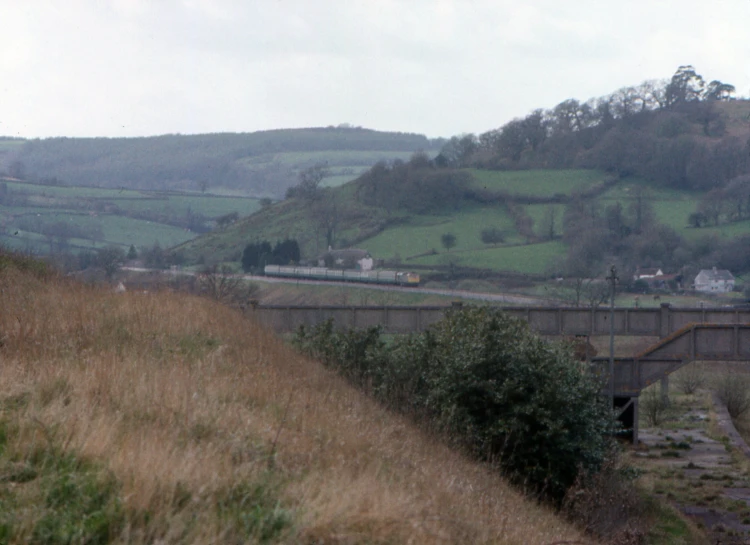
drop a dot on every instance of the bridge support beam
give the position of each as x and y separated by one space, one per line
626 409
664 386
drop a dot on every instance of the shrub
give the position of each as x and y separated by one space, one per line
516 398
607 505
691 378
492 235
653 407
732 391
488 381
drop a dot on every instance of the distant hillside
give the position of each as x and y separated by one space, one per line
656 174
537 222
259 164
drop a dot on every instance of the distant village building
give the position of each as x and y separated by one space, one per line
655 279
714 281
643 274
351 258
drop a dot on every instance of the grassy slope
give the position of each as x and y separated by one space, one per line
406 237
168 418
544 183
343 165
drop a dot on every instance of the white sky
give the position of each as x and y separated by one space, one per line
437 67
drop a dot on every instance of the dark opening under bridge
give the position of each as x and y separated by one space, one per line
683 335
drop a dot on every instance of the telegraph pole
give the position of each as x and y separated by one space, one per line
612 279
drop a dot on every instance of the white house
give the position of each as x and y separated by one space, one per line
714 281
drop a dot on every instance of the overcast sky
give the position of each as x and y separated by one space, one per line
441 68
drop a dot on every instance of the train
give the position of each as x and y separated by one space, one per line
397 278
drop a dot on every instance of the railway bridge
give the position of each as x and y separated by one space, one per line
681 335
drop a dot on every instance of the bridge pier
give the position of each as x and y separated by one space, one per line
626 409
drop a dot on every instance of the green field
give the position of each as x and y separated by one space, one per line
540 213
423 233
343 165
338 158
112 216
404 240
526 259
536 183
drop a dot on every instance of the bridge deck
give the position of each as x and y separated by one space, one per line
655 322
704 342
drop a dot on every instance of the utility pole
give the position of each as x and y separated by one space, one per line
612 279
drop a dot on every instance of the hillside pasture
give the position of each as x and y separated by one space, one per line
535 259
723 230
343 165
208 205
540 215
112 216
671 207
119 230
423 233
536 183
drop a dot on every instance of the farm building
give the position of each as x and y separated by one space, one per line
655 279
714 281
644 274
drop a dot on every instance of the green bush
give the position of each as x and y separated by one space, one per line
487 380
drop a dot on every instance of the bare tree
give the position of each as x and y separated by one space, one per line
733 390
691 378
325 212
219 283
309 182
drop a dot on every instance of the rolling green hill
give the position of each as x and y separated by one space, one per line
413 240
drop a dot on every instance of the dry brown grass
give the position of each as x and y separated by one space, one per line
181 399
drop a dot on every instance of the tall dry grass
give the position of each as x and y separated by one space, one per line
182 399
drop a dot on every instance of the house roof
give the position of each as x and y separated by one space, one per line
715 275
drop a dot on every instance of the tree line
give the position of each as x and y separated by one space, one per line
257 255
669 132
419 185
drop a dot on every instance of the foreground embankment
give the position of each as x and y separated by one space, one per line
162 417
